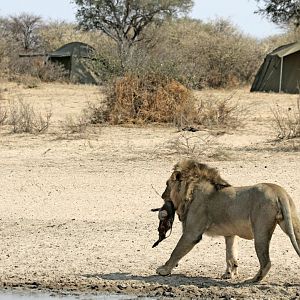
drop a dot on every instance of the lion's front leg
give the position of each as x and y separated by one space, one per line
231 258
184 246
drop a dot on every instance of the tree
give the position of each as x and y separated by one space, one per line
24 29
281 11
126 20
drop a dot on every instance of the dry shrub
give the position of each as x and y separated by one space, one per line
190 144
95 114
148 98
3 110
216 113
199 55
73 125
152 98
3 115
31 71
27 81
50 72
24 119
287 121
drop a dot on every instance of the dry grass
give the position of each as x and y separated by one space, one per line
24 119
94 113
220 113
3 110
189 144
287 121
3 114
28 81
73 124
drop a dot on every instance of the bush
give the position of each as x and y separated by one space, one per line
36 68
3 115
155 98
3 111
27 81
147 98
189 144
95 114
216 113
194 53
200 55
73 125
24 119
287 121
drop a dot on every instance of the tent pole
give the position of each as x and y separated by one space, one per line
280 78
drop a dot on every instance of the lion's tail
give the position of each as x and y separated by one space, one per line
291 223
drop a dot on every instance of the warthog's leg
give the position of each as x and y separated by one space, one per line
231 257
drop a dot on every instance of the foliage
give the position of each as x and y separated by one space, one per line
273 42
196 54
54 34
23 28
23 67
125 21
199 55
281 11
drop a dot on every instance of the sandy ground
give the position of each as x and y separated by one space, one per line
75 209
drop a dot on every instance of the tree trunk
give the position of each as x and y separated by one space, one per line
126 54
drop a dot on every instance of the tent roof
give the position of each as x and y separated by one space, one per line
286 50
74 48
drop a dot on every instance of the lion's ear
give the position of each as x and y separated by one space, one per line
176 176
220 184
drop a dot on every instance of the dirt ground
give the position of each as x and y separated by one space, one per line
75 208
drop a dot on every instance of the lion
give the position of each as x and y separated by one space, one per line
206 203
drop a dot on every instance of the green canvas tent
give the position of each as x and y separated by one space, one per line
280 71
76 58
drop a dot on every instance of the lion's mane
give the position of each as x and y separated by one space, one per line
191 175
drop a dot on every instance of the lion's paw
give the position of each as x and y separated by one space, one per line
227 275
251 280
163 270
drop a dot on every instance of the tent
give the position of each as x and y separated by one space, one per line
76 58
280 71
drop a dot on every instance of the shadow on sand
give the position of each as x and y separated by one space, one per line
177 280
174 280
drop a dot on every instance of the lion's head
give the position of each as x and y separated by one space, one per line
187 175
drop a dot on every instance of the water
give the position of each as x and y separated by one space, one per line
51 296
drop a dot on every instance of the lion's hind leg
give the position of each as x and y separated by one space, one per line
262 236
231 258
